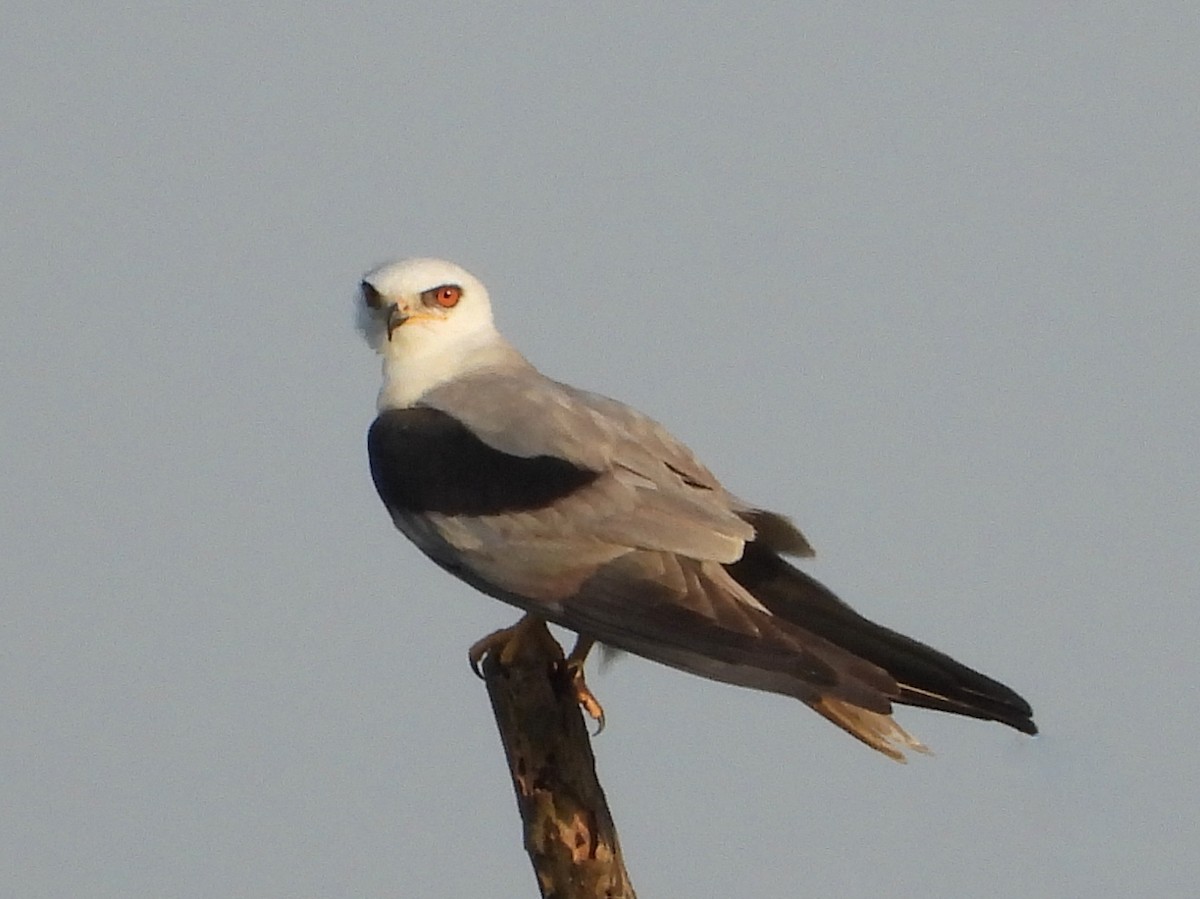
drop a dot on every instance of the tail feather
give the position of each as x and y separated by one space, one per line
878 731
926 677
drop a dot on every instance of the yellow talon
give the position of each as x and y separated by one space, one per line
507 642
583 695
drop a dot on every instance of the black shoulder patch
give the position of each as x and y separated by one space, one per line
425 460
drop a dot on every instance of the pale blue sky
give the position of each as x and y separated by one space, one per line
922 275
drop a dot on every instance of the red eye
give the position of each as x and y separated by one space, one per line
446 296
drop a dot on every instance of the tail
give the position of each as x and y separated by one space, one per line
924 676
877 730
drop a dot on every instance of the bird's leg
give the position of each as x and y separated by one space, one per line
507 642
583 695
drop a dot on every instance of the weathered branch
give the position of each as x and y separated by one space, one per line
569 833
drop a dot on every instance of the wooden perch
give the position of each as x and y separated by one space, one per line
569 833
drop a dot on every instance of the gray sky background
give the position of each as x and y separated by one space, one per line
922 275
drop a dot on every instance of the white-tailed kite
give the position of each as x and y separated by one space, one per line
586 513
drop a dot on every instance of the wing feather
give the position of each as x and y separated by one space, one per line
651 492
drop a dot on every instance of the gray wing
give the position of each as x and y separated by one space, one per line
614 554
652 492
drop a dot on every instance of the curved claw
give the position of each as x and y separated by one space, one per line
475 662
506 642
496 641
584 696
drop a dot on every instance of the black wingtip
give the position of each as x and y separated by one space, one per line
926 677
949 693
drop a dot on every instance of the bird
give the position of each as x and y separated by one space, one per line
585 513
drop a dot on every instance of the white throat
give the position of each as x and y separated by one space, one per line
413 364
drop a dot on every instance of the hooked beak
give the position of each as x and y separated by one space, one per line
395 318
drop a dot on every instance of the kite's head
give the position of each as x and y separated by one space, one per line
422 306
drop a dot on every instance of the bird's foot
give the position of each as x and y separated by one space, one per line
583 695
506 643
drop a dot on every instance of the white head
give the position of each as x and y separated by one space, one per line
431 320
420 301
